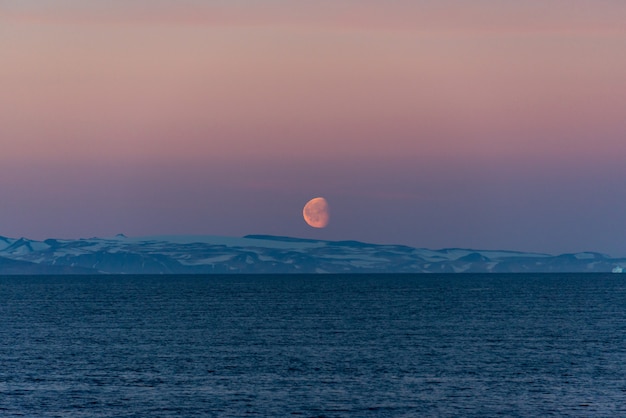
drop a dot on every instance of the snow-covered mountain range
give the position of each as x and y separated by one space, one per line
270 254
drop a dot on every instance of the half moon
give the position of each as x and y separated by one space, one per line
316 212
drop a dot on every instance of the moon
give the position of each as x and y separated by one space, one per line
316 212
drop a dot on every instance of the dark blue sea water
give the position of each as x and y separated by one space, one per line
406 345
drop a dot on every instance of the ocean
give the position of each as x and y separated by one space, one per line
313 345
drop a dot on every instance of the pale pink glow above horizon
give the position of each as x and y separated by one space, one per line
393 104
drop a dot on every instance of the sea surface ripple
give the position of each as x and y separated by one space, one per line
312 346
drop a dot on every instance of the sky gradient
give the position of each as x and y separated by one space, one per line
485 124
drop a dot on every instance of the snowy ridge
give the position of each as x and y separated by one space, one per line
271 254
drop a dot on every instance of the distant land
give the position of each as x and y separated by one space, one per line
266 254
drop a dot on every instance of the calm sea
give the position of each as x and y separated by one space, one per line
362 345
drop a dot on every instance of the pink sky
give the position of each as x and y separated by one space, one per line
430 123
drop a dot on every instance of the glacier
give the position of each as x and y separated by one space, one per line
267 254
